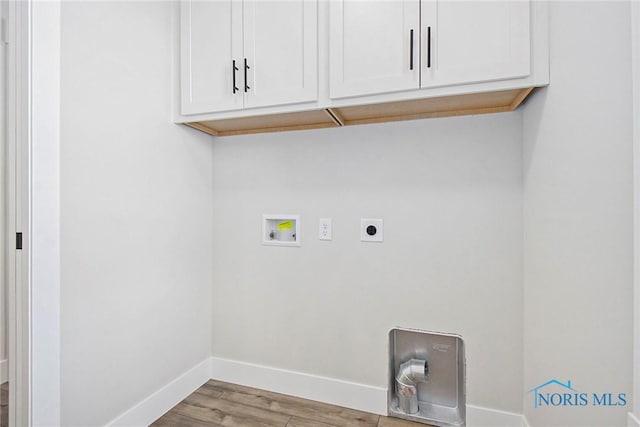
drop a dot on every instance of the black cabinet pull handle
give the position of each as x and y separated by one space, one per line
428 47
411 50
235 88
246 67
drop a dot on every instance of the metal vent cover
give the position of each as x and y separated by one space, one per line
441 398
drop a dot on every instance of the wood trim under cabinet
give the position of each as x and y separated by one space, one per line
277 129
299 120
335 116
449 106
203 128
520 98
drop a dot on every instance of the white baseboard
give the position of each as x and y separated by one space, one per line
322 389
337 392
4 371
151 408
478 416
632 420
329 390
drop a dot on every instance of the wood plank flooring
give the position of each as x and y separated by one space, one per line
223 404
4 404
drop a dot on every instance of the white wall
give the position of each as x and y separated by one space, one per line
141 199
42 247
635 57
578 214
449 191
136 212
3 205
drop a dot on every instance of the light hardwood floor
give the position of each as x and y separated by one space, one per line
222 404
4 404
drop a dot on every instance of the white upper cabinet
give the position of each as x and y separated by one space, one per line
474 41
374 46
247 53
210 40
251 65
387 46
281 47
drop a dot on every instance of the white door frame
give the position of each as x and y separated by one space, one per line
4 373
17 129
33 138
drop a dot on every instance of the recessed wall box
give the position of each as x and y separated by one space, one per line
427 377
281 230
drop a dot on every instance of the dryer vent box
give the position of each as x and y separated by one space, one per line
439 383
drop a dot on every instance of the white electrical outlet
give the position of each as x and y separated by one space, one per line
324 229
371 230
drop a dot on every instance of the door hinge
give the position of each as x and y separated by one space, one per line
18 240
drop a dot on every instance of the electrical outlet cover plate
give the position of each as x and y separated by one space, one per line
324 229
371 230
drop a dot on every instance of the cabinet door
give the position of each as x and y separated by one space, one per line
370 46
210 40
281 50
474 41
